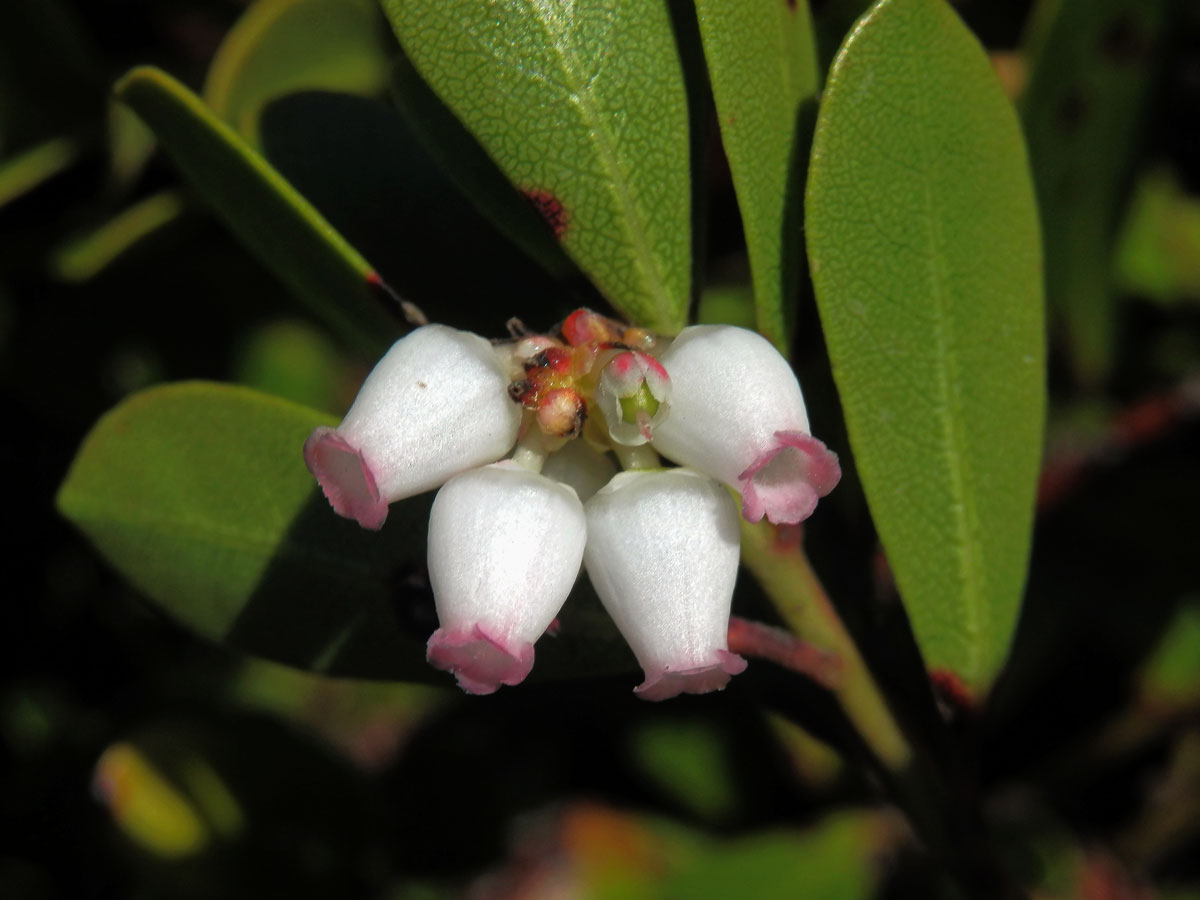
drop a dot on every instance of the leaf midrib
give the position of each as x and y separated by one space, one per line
966 518
635 227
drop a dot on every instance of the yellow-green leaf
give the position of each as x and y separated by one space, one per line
584 109
924 250
762 62
282 228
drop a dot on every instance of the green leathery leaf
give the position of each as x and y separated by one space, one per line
1092 63
585 111
762 62
472 171
925 256
198 494
270 217
279 47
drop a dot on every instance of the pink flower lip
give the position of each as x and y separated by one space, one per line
667 683
345 478
785 482
479 661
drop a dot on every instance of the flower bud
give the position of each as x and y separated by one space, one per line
737 414
634 393
505 547
662 553
435 405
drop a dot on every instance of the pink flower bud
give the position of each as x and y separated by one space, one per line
737 414
505 547
634 393
662 553
435 405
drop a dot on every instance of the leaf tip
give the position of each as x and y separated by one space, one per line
135 76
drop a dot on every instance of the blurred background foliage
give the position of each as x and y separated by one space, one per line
142 762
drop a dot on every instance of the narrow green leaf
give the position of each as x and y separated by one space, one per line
282 228
84 256
131 144
198 494
923 244
762 62
22 173
585 111
279 47
1092 63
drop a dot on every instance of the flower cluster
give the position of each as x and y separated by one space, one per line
529 492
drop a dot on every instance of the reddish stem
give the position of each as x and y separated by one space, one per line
785 649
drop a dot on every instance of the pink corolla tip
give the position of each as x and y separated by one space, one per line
785 482
665 683
345 478
480 662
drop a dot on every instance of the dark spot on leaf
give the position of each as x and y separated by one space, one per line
952 693
549 208
791 5
1123 42
1071 112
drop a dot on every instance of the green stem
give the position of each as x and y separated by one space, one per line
640 457
789 581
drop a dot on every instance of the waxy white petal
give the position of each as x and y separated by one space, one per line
737 414
505 547
437 404
662 553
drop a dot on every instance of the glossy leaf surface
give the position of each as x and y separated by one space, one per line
923 244
762 62
279 47
198 494
270 217
1091 66
585 111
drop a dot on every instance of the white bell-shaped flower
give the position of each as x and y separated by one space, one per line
437 404
662 553
505 548
737 414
